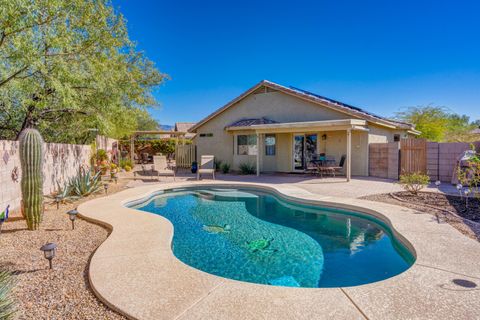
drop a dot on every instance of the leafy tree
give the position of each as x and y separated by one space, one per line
67 66
146 122
437 123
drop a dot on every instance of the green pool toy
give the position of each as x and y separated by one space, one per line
217 229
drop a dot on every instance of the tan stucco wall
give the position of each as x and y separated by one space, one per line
60 163
281 107
379 134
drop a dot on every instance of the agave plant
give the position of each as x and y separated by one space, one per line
62 195
85 184
7 304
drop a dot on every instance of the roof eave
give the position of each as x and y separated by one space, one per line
304 96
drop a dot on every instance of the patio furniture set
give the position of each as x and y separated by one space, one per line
318 165
323 164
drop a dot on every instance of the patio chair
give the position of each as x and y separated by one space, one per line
144 157
341 163
161 166
207 165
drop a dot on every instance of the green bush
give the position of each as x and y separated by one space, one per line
218 164
225 168
7 303
414 182
102 155
247 168
125 162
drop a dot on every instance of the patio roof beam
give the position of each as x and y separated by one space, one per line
307 126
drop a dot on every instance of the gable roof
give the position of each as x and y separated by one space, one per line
183 126
312 97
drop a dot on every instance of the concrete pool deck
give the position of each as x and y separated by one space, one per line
135 272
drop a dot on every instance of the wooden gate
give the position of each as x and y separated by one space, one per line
184 155
413 155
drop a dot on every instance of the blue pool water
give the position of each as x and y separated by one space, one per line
254 236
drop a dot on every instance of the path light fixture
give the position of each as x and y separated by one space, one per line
134 175
459 188
438 183
49 250
105 186
72 214
467 192
58 199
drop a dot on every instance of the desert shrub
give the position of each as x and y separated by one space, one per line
85 184
225 168
125 162
414 182
218 164
7 303
62 194
127 168
101 155
247 168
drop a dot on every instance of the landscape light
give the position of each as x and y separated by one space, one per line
438 183
49 250
105 186
58 199
72 214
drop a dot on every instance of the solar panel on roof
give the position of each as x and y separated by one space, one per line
337 102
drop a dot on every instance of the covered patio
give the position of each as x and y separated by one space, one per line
292 146
162 134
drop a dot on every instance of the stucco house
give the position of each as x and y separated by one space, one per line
279 129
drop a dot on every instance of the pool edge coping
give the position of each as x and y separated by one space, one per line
285 192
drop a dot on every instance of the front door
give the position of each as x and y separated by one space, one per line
304 149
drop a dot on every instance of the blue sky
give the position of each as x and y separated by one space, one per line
379 55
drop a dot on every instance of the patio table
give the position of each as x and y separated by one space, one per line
325 166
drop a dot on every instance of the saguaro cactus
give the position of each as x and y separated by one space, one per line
31 160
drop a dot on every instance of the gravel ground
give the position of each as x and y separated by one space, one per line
467 221
64 292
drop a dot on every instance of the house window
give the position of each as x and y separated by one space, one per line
206 135
247 145
270 142
396 137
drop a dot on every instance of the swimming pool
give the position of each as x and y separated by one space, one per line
253 235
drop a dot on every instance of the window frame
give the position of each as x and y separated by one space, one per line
270 147
251 148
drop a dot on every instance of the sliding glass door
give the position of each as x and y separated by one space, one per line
304 150
298 152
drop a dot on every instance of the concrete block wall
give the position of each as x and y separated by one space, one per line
61 162
383 160
442 158
393 160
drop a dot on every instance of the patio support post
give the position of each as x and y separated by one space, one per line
132 149
258 154
349 154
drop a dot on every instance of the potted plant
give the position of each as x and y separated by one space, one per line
113 170
194 167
